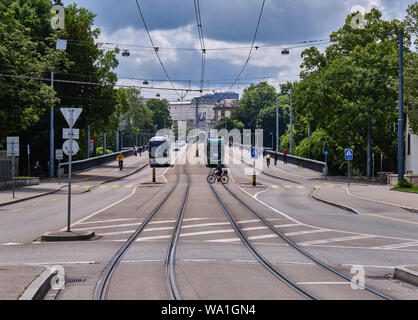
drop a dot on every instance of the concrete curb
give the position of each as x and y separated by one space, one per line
67 236
63 186
39 287
315 197
406 275
414 210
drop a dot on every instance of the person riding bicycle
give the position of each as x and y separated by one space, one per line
268 160
120 158
219 170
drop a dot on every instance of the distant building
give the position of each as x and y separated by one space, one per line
224 109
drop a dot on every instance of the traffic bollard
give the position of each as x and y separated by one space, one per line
254 179
153 174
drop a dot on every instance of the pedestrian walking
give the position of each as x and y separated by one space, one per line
276 156
285 156
135 149
37 170
140 150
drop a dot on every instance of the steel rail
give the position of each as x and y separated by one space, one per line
103 284
302 251
260 258
171 285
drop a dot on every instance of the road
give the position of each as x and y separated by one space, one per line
211 260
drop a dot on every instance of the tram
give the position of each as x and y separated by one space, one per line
159 152
215 152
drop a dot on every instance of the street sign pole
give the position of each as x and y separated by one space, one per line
13 169
69 172
373 168
348 172
326 169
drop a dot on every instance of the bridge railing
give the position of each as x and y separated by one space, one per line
315 165
81 165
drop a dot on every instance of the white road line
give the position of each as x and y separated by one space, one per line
326 283
11 244
58 263
108 227
105 221
335 240
101 210
311 226
396 246
305 232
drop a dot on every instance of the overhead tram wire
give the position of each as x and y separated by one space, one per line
156 48
202 41
252 46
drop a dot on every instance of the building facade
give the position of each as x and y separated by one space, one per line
224 109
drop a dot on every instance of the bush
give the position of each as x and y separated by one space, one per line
99 151
403 183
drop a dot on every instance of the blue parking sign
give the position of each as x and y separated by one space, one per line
254 153
348 154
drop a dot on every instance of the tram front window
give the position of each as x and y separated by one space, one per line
158 149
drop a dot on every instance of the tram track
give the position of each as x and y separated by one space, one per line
104 282
290 243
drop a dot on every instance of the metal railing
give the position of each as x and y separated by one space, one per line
81 165
315 165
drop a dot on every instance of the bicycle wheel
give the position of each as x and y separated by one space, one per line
225 179
211 179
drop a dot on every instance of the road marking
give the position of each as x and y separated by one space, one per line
360 237
103 221
305 232
326 283
17 210
111 226
37 204
129 186
288 187
301 187
331 186
318 187
275 187
390 218
86 187
398 246
58 198
101 210
59 262
116 186
74 186
11 244
102 187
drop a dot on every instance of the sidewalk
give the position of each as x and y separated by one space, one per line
355 195
92 178
15 278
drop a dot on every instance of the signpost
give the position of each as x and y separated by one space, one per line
326 163
28 147
71 115
59 156
12 151
348 156
254 155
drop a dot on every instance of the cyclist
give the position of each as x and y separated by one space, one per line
268 160
219 170
120 158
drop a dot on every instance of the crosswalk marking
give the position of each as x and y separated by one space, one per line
359 237
129 186
275 187
301 187
102 187
86 187
288 187
116 186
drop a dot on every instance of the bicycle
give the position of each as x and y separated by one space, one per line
212 178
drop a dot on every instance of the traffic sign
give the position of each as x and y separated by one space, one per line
66 133
13 146
254 153
58 154
71 115
325 152
66 147
348 154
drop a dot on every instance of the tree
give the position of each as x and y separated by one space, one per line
229 124
22 100
254 99
161 117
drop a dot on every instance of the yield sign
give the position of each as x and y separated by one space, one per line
71 115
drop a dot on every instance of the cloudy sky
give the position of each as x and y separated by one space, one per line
229 26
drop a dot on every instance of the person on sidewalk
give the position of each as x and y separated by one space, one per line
120 158
285 156
276 157
268 160
135 150
37 170
140 151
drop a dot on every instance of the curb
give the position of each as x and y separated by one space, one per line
39 287
406 275
315 197
67 236
63 186
414 210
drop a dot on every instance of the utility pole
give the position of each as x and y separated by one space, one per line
51 135
401 143
277 123
104 143
291 124
369 146
88 142
197 127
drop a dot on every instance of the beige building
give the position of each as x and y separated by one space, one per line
225 108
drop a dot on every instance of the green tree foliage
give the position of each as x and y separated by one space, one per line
229 124
23 101
160 113
254 99
348 86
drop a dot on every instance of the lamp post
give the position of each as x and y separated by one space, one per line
277 124
401 143
291 123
